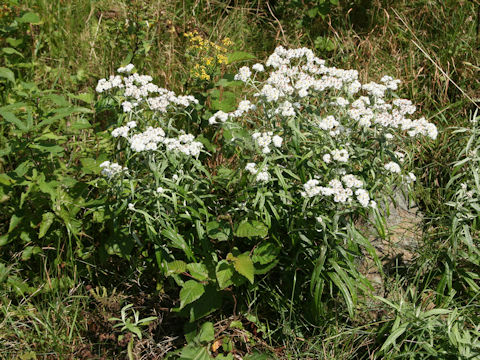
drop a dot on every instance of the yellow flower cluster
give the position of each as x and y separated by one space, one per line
206 54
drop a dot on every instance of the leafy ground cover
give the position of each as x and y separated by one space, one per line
208 249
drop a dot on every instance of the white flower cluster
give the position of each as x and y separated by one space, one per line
263 140
244 74
123 131
340 193
393 167
340 155
243 107
262 176
139 89
126 69
185 144
110 169
151 138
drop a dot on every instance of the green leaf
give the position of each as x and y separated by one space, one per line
7 74
198 271
14 221
257 356
47 220
225 101
393 337
30 251
11 118
265 253
10 51
210 301
191 291
85 97
224 273
30 18
176 267
251 229
244 266
177 241
239 56
206 333
191 352
218 231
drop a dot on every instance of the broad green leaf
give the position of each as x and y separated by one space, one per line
265 253
206 333
239 56
225 101
191 352
30 251
251 229
14 221
244 266
210 301
85 97
52 149
14 42
257 356
11 118
10 51
191 291
198 271
47 220
30 18
224 273
176 267
7 74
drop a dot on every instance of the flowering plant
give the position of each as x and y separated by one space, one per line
296 166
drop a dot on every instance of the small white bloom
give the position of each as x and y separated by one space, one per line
327 158
160 190
244 74
393 167
277 141
258 67
263 176
131 206
251 168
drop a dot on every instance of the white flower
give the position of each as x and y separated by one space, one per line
362 197
244 74
160 190
393 167
258 68
340 155
131 206
251 168
277 141
132 124
328 123
319 219
121 131
351 181
110 169
126 69
263 176
327 158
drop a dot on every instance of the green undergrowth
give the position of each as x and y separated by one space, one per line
64 291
